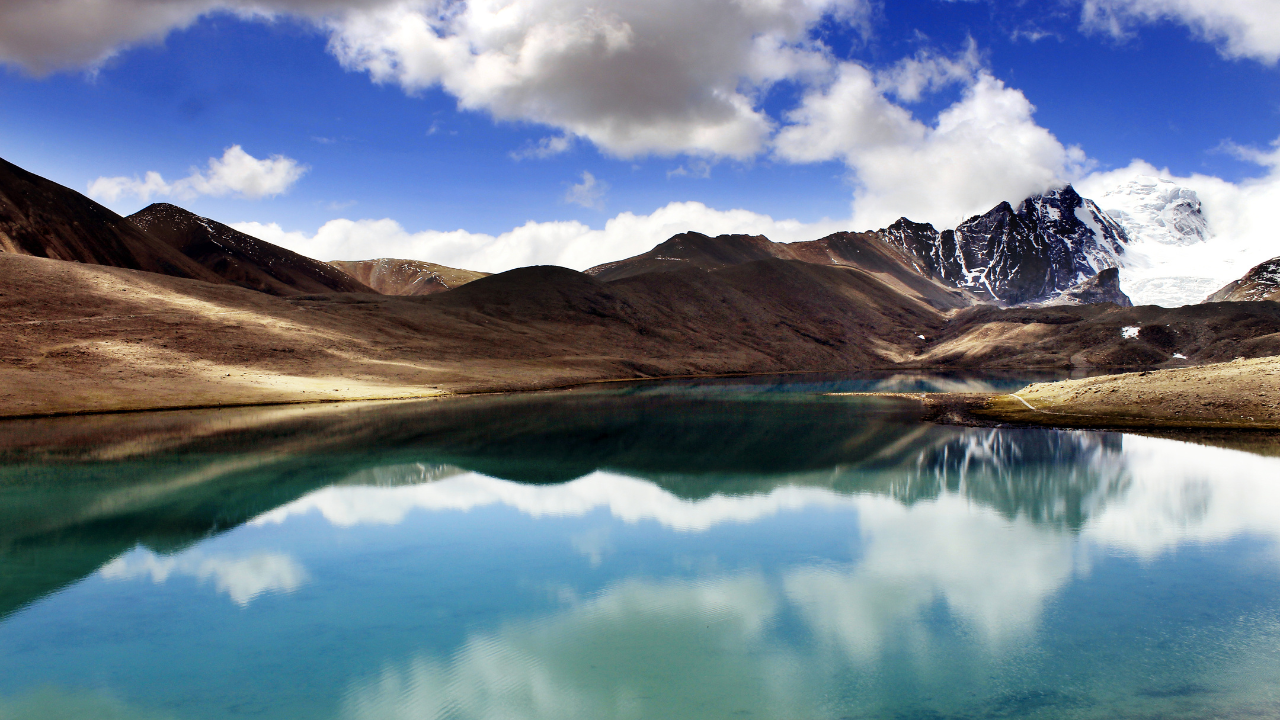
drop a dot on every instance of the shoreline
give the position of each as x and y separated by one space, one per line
959 408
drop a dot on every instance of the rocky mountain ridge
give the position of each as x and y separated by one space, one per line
1047 245
1260 283
241 259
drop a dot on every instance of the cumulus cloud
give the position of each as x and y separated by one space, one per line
983 149
566 243
589 193
661 76
1239 28
235 173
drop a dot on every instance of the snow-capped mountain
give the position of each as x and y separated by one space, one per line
1170 259
1050 243
1154 210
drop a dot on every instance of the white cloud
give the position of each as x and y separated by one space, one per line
1240 28
566 243
235 173
661 76
983 149
589 193
911 78
47 35
241 578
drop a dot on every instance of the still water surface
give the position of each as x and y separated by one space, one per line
699 550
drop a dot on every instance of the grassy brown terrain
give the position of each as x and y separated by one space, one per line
87 338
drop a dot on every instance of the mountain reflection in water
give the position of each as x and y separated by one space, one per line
647 552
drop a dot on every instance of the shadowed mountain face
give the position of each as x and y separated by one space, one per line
241 259
390 276
1049 244
1260 283
42 218
863 251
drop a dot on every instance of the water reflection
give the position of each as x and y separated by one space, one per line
649 552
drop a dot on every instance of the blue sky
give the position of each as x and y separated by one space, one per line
826 130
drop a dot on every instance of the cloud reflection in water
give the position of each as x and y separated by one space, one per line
241 578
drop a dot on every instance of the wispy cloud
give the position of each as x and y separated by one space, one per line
589 193
544 148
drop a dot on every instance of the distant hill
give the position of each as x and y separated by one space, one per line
862 251
241 259
41 218
1260 283
391 276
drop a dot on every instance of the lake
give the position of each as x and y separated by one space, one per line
712 549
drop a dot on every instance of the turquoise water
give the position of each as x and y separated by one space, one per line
697 550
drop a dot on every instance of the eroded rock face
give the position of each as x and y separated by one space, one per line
1260 283
1049 244
1101 288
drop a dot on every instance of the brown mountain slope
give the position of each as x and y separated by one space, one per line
242 259
83 338
1105 336
41 218
1260 283
391 276
860 250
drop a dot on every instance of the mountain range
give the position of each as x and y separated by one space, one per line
167 309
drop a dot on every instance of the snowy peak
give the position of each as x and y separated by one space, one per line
1156 210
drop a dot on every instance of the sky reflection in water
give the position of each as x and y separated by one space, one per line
816 559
